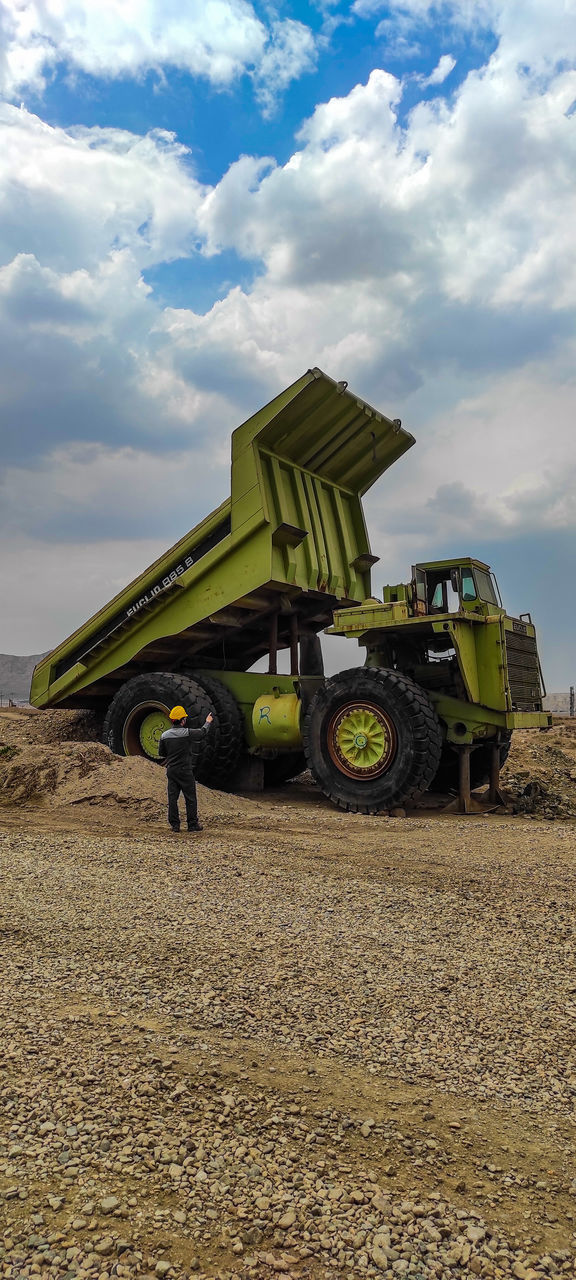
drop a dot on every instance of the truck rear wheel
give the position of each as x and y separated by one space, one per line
372 739
138 715
446 777
218 771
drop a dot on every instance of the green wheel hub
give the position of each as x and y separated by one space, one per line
361 740
151 730
143 729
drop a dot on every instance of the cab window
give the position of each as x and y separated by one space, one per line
485 586
443 592
468 586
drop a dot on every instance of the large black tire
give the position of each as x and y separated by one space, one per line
401 717
158 692
219 772
446 778
283 767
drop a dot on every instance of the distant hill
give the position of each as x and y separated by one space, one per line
15 676
558 703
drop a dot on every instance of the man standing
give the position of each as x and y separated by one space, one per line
175 747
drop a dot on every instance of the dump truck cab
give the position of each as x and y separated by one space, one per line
448 586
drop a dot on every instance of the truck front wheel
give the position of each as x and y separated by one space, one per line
372 739
138 715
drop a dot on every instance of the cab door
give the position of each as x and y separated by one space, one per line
420 591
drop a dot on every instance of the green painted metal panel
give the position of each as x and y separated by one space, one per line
322 427
247 687
481 721
491 663
465 644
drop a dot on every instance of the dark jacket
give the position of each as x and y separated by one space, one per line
176 746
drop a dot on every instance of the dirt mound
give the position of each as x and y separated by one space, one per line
39 763
540 773
20 725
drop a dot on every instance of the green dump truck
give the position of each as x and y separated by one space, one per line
448 675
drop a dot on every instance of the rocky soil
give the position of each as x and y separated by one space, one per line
541 771
300 1044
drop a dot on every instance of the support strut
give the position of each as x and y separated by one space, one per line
273 646
294 655
495 795
466 802
464 796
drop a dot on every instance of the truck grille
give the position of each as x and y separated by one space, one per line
523 671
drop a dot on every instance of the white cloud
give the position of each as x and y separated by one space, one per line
441 71
55 588
71 196
75 305
473 202
289 53
84 362
405 30
498 463
216 39
114 491
535 33
309 219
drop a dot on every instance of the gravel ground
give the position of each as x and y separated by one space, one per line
301 1043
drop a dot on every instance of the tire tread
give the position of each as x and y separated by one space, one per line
231 727
425 728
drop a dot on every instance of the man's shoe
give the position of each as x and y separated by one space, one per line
175 831
197 826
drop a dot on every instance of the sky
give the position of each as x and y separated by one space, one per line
201 199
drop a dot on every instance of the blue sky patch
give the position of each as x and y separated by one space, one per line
200 281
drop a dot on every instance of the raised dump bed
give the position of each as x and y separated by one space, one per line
264 570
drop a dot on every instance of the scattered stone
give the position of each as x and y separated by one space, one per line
105 1247
108 1204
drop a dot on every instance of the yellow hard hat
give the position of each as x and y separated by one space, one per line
177 713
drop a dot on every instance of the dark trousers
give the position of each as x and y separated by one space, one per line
182 780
